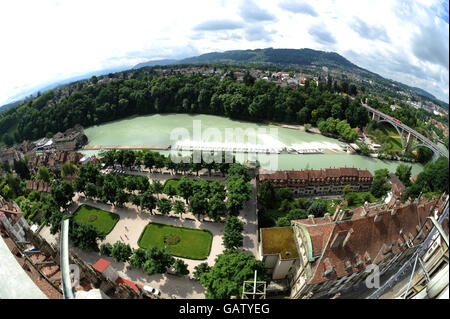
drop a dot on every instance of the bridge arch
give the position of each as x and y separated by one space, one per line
399 131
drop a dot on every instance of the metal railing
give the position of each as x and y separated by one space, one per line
66 281
422 248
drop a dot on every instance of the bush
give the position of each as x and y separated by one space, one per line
106 249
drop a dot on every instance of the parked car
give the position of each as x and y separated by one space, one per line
152 290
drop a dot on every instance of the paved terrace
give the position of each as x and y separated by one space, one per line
132 223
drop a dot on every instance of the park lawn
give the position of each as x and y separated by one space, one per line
104 221
396 143
193 244
388 129
170 181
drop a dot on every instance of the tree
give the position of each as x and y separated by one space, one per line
84 236
62 192
121 252
109 158
43 174
229 272
121 197
170 190
317 208
238 170
307 127
149 161
216 208
106 249
181 268
138 258
266 194
379 186
403 172
68 169
157 187
164 206
21 169
179 208
233 237
148 201
129 158
91 190
185 188
158 261
109 191
8 140
296 213
285 193
55 221
198 204
351 199
119 157
200 269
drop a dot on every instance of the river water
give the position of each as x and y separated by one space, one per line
167 129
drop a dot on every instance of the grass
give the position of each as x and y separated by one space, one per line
389 133
102 220
193 243
170 181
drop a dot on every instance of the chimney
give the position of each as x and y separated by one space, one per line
394 211
311 218
387 250
347 265
336 213
328 217
329 269
367 258
347 238
378 217
365 209
347 215
358 261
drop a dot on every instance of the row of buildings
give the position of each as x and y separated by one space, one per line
54 160
330 181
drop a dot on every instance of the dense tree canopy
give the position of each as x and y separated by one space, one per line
230 270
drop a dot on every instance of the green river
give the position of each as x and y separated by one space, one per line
157 129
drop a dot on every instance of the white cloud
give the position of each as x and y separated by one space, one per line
48 40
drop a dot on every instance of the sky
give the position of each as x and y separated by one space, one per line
46 41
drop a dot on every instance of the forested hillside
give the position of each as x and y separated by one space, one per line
91 103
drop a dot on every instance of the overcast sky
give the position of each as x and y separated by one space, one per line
47 41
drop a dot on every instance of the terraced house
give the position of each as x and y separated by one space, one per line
330 181
334 251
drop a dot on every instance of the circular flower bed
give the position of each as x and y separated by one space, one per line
92 218
171 239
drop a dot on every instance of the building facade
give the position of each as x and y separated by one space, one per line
278 251
12 220
330 181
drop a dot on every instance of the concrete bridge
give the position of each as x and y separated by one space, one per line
406 133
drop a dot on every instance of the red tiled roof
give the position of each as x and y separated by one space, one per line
366 237
101 265
124 281
315 174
